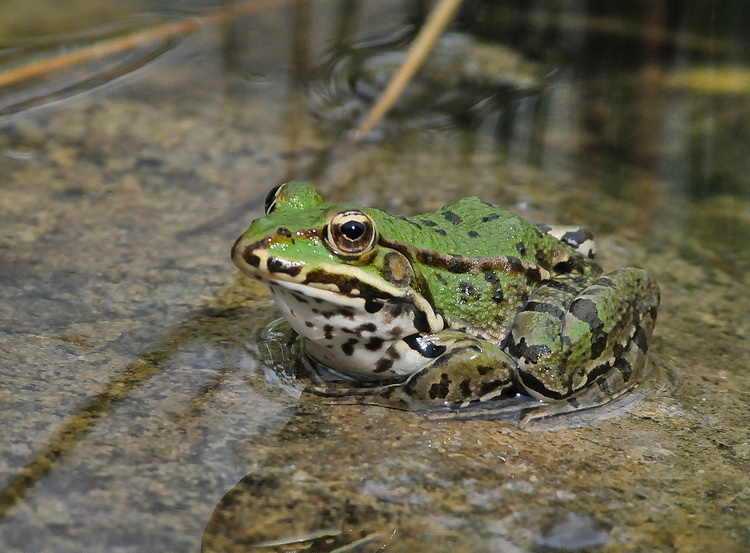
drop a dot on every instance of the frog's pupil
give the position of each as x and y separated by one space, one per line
353 230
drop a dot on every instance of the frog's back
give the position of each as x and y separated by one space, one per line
472 228
480 263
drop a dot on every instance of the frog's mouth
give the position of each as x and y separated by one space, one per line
254 261
338 284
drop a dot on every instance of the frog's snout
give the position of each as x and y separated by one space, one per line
235 249
243 255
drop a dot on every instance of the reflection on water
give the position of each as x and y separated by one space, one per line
34 74
324 489
141 411
281 509
463 79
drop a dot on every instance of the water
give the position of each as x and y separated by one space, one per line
141 412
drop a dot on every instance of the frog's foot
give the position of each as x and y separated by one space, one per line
605 398
468 370
584 348
578 238
598 402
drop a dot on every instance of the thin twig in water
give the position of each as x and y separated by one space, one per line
124 44
424 42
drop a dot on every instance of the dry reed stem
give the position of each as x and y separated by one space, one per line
420 49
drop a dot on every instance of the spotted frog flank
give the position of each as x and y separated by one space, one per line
464 305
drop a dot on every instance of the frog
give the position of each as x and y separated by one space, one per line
464 306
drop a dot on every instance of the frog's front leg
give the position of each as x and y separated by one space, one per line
456 369
585 346
469 370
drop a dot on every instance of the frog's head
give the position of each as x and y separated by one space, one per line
303 240
331 272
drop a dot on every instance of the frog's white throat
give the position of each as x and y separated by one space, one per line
343 331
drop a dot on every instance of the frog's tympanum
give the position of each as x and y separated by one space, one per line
464 305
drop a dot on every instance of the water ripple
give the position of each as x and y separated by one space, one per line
61 66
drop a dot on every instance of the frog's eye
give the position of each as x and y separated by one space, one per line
350 233
270 202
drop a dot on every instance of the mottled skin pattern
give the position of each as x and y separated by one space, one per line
466 304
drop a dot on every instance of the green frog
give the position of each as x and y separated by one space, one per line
449 309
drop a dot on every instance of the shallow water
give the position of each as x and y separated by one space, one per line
141 410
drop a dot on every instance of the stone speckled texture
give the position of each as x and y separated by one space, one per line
141 411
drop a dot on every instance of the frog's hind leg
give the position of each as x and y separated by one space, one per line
610 389
571 343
